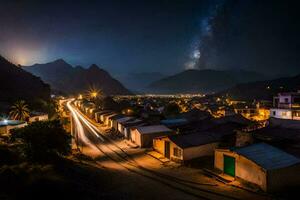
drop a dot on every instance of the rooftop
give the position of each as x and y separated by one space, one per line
153 129
10 123
267 156
195 139
124 119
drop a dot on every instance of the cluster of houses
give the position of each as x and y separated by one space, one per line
248 154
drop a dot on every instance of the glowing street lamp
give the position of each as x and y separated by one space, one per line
94 94
80 96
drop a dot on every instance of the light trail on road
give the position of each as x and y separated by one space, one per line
78 127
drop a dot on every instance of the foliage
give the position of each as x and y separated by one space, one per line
43 140
8 156
107 103
172 109
19 111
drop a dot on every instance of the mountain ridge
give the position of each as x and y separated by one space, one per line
203 81
16 84
73 80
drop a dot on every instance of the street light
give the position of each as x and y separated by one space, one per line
94 94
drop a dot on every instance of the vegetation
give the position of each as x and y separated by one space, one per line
172 109
19 111
43 141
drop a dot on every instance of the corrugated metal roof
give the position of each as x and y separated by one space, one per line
123 119
267 156
174 121
195 139
153 129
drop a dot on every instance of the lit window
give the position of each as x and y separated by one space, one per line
283 114
177 152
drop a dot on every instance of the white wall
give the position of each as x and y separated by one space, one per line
244 168
199 151
279 113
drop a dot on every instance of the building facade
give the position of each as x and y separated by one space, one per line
286 106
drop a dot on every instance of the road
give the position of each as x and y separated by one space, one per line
138 181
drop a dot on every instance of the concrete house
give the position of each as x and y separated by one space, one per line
286 106
104 117
7 125
37 116
180 148
143 136
117 123
112 123
99 113
126 127
264 165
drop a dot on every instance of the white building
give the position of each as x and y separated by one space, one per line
143 136
37 116
180 148
286 106
7 125
261 164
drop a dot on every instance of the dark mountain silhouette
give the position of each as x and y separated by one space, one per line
203 81
73 80
15 84
263 90
140 81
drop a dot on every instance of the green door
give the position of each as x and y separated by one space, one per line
229 165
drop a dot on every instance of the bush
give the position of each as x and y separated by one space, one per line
44 140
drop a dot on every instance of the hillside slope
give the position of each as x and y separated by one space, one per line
15 84
73 80
203 81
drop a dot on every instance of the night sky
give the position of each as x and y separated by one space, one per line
167 36
121 36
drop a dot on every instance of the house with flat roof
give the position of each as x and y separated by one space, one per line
286 106
117 123
99 113
261 164
37 116
180 148
7 125
125 128
143 136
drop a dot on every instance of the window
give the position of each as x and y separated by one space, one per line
274 113
286 100
283 114
177 152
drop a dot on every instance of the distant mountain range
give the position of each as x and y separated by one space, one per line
65 78
203 81
139 81
263 90
17 84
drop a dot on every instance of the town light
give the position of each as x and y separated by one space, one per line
94 94
80 96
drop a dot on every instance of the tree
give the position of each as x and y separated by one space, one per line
172 109
19 111
44 140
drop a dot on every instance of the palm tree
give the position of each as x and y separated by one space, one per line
19 111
